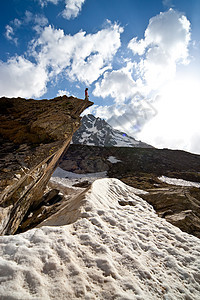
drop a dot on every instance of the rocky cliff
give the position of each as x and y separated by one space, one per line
33 137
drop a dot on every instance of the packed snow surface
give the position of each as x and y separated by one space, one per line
123 140
113 159
110 252
68 179
180 182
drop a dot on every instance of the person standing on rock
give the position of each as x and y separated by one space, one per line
86 94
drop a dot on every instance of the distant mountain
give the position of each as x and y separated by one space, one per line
97 132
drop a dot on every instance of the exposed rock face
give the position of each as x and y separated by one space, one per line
132 161
178 205
97 132
140 168
33 137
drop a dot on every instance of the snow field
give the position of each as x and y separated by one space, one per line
111 252
179 182
68 179
113 159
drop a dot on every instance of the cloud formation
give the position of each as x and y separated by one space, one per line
37 21
9 34
63 92
177 123
136 87
21 78
45 2
72 8
83 57
164 46
118 84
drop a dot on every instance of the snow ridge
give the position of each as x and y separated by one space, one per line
118 248
97 132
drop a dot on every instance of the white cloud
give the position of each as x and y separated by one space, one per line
10 34
37 21
177 123
17 23
21 78
83 56
162 52
130 116
118 84
45 2
163 49
40 22
72 8
62 93
164 46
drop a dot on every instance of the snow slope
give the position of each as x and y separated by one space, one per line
97 132
111 251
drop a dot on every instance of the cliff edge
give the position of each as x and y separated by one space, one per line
34 134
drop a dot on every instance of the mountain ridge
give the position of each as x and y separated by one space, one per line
97 132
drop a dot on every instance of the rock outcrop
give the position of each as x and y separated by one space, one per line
34 134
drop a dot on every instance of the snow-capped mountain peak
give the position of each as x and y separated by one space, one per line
97 132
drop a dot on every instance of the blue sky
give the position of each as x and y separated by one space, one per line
140 60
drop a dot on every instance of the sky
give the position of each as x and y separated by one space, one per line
140 60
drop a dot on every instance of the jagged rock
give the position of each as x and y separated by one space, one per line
51 197
187 221
83 184
33 137
82 159
178 205
49 204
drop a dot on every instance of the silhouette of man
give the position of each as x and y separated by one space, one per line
86 94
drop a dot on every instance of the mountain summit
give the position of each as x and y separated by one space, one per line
97 132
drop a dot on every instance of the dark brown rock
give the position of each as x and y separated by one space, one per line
83 184
33 137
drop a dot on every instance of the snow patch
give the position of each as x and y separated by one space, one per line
179 182
113 159
68 179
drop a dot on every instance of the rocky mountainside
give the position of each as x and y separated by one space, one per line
141 168
97 132
33 137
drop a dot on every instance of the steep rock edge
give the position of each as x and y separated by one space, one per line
34 135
